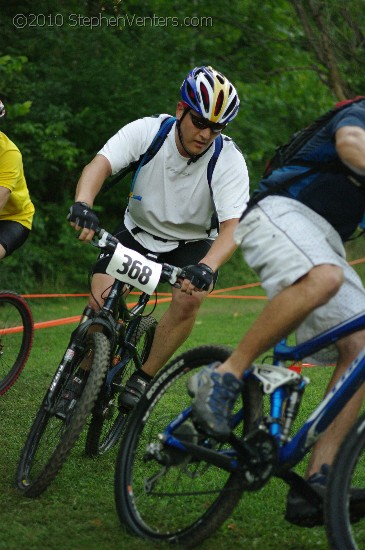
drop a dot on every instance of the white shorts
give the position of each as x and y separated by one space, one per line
282 240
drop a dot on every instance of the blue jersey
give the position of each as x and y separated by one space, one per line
338 196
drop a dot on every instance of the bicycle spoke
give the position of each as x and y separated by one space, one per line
161 492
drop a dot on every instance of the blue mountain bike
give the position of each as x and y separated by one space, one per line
175 483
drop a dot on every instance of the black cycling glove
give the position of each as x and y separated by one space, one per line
200 275
81 214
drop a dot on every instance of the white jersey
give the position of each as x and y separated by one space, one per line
176 202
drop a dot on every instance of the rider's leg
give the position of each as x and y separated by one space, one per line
12 236
283 314
298 510
100 286
325 449
173 329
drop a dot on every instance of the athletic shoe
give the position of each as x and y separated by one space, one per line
133 391
214 395
301 512
71 394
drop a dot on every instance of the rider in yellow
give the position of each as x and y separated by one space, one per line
16 207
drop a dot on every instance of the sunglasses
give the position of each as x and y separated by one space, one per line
202 124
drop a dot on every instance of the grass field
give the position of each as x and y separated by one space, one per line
77 511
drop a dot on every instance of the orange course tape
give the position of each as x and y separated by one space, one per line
214 294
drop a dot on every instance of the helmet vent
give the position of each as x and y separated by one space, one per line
231 106
219 103
205 96
191 93
220 78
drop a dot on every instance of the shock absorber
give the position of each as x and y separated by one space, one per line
292 407
88 313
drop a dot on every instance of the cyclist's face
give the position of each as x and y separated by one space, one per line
196 140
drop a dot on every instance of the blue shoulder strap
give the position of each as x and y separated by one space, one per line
218 145
152 150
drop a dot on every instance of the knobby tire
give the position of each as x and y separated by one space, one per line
15 345
31 483
107 420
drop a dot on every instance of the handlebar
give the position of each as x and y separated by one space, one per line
170 274
106 241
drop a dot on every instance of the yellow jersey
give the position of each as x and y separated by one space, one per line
19 207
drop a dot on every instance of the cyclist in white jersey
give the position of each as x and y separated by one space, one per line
172 205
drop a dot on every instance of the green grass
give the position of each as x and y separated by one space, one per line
77 511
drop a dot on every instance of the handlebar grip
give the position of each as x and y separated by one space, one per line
170 274
106 240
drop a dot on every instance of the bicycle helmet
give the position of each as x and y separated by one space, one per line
209 93
2 109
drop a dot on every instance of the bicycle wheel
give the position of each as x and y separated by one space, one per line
16 336
345 498
51 438
107 421
167 496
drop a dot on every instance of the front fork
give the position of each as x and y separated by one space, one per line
75 341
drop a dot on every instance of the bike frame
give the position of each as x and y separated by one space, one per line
131 316
291 452
105 318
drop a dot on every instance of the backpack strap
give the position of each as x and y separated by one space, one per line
218 146
258 196
152 150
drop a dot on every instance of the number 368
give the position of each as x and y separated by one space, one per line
135 270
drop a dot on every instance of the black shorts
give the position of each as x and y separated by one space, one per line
12 235
185 254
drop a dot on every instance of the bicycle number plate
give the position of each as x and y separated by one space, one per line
131 267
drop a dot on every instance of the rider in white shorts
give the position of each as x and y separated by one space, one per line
283 240
292 234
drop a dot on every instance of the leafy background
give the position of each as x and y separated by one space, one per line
69 85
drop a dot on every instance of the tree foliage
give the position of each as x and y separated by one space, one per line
73 74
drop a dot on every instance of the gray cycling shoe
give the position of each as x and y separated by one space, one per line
214 395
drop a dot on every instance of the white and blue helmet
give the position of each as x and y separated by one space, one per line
210 94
